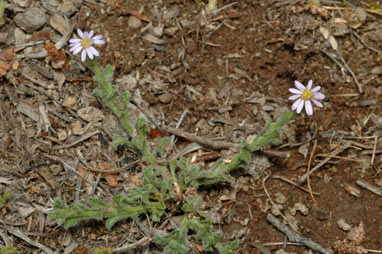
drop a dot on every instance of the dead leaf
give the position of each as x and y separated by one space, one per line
15 65
4 66
112 179
82 250
90 114
41 35
59 23
136 181
7 54
58 57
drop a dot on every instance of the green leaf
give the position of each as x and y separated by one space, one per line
204 232
9 249
119 141
106 250
110 222
108 73
227 248
125 98
162 143
4 198
175 242
192 205
96 202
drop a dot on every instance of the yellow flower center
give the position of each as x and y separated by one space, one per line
306 95
86 43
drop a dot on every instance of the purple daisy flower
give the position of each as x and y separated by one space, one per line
85 44
305 96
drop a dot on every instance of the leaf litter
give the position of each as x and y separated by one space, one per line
261 49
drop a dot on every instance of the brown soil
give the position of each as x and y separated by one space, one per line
253 49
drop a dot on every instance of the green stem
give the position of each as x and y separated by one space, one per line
272 131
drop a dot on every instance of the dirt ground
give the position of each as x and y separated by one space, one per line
230 70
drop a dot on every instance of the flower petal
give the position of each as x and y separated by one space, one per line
77 50
310 83
299 85
318 104
74 40
300 106
315 89
294 97
318 96
83 55
308 108
98 41
97 37
91 33
94 51
90 53
73 47
295 104
80 33
295 91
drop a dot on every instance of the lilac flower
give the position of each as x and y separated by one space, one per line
85 44
305 96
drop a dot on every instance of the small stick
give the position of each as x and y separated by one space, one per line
296 238
364 43
308 170
214 12
142 242
294 184
84 137
20 235
374 149
359 85
369 187
112 171
179 123
302 179
218 145
273 204
281 243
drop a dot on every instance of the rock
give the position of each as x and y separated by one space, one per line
134 22
258 165
153 39
127 81
22 3
170 14
301 208
276 209
64 7
280 198
156 30
90 114
31 20
171 30
165 98
62 135
343 225
69 101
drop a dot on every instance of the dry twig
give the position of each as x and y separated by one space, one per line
296 238
308 172
369 187
303 178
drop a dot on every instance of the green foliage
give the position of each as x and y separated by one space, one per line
176 242
107 250
2 7
227 248
161 183
4 198
8 250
